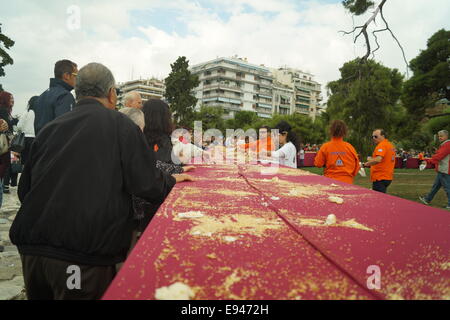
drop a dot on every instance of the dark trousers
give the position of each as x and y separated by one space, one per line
52 279
10 178
381 185
26 150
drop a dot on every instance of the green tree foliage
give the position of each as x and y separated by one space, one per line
357 7
5 44
179 86
365 98
439 123
242 120
307 130
431 79
211 118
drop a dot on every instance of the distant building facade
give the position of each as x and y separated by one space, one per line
307 92
148 88
235 84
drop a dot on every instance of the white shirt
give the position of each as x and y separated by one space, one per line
302 154
185 151
286 155
26 124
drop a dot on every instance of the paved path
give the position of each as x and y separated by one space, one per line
11 279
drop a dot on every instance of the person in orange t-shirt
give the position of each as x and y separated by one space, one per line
339 157
263 143
382 162
421 157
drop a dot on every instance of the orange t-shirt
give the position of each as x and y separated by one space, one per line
340 160
385 169
264 144
421 157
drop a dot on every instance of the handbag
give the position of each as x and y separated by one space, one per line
18 142
4 143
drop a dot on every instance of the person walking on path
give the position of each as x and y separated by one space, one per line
441 160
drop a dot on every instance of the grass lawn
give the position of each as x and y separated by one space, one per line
408 184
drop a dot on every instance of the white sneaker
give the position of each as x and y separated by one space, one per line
423 200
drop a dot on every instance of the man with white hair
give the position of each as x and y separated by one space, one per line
75 222
132 99
136 115
441 161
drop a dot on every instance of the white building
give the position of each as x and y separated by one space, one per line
283 99
148 88
307 92
235 85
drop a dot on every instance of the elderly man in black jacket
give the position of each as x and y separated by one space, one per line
75 222
57 99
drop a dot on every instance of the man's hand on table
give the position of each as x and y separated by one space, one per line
183 177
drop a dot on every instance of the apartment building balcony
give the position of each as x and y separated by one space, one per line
221 99
224 105
222 95
302 100
301 108
264 106
264 115
223 87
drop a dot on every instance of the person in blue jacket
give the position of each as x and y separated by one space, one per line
57 99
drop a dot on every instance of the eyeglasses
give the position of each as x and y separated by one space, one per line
375 137
74 73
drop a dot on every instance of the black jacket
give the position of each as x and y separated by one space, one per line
76 187
52 103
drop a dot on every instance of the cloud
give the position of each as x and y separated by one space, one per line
300 34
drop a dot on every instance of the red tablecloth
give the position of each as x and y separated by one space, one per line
263 236
411 163
309 159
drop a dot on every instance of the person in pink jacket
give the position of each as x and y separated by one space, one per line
441 160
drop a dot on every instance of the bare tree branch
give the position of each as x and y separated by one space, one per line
363 30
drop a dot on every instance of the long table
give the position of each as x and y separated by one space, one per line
245 232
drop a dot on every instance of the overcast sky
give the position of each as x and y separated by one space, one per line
143 37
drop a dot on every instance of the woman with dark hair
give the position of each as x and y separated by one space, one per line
157 130
287 153
6 99
6 105
26 125
337 156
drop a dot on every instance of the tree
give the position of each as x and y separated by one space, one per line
365 102
242 120
211 118
439 123
431 74
359 7
5 44
179 86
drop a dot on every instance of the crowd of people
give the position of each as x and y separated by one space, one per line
94 176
